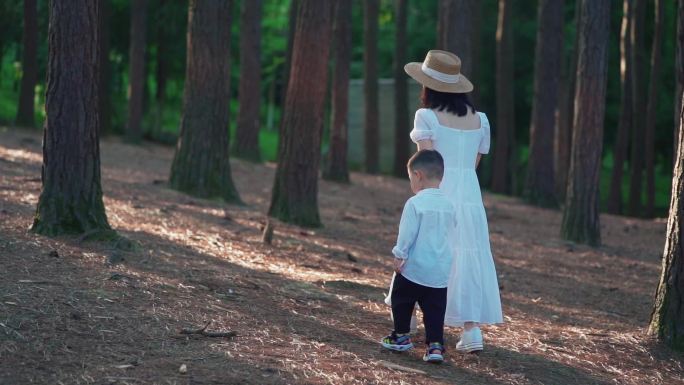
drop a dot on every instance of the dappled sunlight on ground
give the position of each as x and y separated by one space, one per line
307 308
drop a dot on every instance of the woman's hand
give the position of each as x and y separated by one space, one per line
399 265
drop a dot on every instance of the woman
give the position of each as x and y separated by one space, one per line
449 124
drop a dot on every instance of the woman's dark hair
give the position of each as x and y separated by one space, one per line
456 103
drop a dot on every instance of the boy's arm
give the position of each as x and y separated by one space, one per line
408 231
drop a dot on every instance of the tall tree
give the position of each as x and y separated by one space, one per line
563 137
625 120
136 67
292 27
659 26
336 166
581 210
540 187
29 65
247 133
667 317
401 113
370 85
71 197
638 107
679 69
505 112
295 189
104 83
456 27
201 164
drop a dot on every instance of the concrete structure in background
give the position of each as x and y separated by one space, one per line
386 101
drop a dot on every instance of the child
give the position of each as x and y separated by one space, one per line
423 257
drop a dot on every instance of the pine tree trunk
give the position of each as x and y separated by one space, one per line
652 106
625 120
456 25
29 65
295 189
638 108
201 164
540 189
104 82
247 134
563 140
401 113
581 211
294 11
136 67
294 6
667 317
370 85
679 70
505 113
71 198
337 169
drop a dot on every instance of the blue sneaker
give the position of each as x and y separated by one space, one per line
434 353
399 343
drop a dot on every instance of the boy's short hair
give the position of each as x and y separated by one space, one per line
428 161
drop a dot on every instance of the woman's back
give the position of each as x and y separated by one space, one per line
458 138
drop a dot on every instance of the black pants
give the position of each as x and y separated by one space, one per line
432 302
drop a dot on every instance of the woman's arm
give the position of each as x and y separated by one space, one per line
479 157
424 144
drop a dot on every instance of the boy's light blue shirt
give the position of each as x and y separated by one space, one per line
426 231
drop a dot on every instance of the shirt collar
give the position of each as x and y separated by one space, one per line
430 191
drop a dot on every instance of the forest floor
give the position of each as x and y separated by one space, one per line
307 309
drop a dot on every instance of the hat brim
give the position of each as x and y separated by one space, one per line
415 71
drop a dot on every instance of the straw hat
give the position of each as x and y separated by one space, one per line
441 71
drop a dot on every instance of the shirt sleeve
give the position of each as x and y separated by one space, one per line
421 127
408 231
486 135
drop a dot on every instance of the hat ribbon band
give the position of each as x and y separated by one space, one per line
441 76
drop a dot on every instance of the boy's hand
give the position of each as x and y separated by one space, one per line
399 264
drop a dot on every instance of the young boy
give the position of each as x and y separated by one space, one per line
423 256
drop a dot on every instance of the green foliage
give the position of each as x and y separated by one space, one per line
167 22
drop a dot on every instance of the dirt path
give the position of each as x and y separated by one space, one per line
307 309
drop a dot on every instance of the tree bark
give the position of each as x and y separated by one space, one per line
295 189
679 70
540 188
294 11
563 140
401 113
201 164
29 65
581 211
638 108
136 67
294 6
667 317
337 169
654 83
247 134
370 85
625 120
456 26
505 112
104 82
71 198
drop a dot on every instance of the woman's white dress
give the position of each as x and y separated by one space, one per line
473 291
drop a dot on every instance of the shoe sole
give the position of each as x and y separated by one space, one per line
433 358
398 348
474 347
